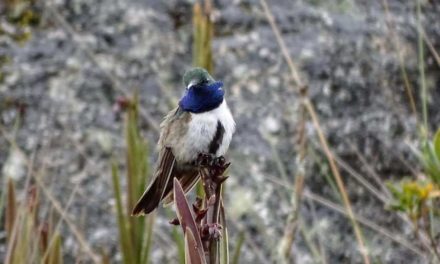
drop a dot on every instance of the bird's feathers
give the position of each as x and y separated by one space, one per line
201 98
154 193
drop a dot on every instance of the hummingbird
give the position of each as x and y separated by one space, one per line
201 124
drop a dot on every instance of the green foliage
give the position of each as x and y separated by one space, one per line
419 200
135 233
4 60
180 243
412 197
237 251
22 16
203 32
431 158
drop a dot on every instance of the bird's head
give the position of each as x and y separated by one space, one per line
197 76
202 92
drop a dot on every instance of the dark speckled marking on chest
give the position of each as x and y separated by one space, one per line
217 139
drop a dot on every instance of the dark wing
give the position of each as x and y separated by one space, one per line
155 192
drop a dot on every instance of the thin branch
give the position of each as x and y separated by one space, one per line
87 248
431 47
370 170
291 226
339 181
311 110
365 222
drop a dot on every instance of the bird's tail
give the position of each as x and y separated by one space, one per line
149 200
162 179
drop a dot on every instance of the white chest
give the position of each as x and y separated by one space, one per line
202 129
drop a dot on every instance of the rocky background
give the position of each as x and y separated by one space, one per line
65 73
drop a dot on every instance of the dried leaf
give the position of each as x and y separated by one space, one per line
11 209
192 254
185 216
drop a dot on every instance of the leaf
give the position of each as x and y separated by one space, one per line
185 216
124 235
437 144
11 209
55 255
192 254
237 251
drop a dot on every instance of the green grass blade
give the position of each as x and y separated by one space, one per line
437 144
237 251
148 240
124 238
224 246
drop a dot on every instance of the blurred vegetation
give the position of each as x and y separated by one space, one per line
29 240
135 233
420 199
21 16
202 36
431 158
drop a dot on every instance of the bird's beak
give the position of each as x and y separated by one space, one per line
191 84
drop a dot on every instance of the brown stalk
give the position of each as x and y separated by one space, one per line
431 47
311 110
57 206
63 214
292 219
212 180
307 194
338 178
434 244
11 210
203 220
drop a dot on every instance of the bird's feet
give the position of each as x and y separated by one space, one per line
207 160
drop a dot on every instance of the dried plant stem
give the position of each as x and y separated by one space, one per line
367 223
213 248
19 214
63 214
300 85
422 78
338 178
293 218
203 221
310 196
431 47
434 244
398 48
213 190
370 170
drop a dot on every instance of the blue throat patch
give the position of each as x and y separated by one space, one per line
202 98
